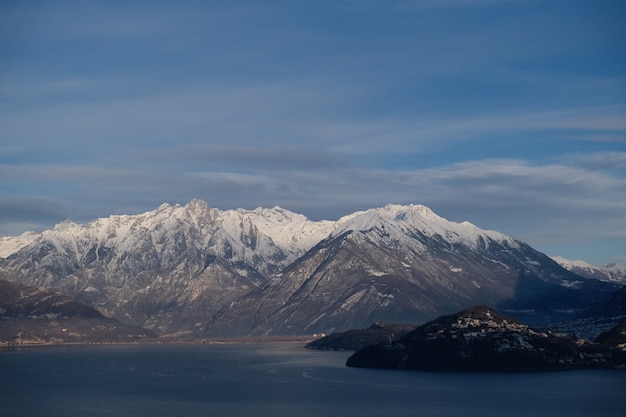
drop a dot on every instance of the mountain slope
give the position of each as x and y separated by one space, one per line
406 264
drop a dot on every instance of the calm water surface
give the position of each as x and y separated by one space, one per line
279 380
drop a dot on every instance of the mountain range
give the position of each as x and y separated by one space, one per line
198 271
610 273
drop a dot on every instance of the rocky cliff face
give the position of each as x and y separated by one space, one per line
481 339
196 271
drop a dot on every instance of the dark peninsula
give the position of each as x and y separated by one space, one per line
357 339
481 339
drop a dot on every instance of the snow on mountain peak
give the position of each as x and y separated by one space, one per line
569 264
66 225
293 233
163 207
610 273
417 209
197 204
420 218
11 244
289 229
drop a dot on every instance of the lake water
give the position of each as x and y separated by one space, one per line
280 380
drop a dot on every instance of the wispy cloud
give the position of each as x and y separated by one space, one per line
491 193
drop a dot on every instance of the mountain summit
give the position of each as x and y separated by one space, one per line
200 271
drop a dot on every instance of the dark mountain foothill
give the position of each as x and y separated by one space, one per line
612 306
357 339
30 315
481 339
596 318
615 339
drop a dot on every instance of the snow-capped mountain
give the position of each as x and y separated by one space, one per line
406 264
196 270
411 218
190 259
276 234
610 273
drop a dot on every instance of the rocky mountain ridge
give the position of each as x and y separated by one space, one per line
198 271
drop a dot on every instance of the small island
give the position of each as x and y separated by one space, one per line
482 339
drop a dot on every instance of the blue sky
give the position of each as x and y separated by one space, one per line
509 114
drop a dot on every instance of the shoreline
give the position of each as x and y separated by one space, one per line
7 346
